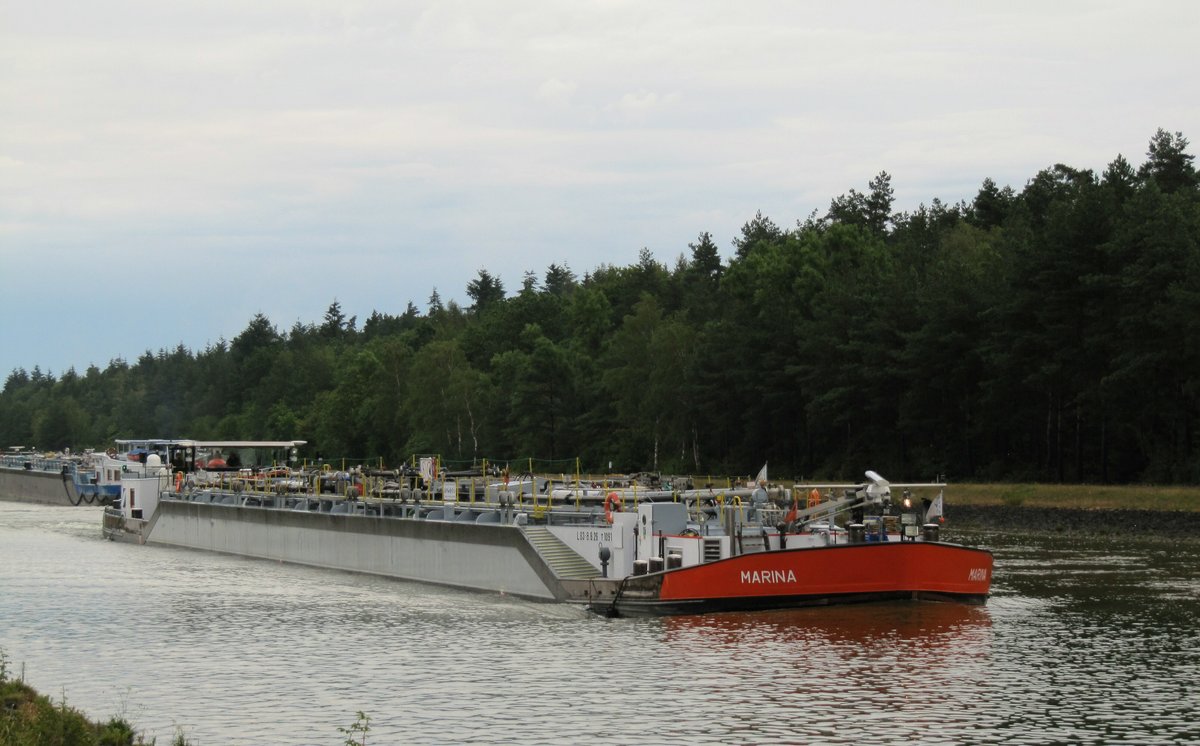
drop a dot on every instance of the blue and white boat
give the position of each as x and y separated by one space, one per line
58 478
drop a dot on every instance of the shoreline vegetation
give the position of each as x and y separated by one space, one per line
1169 513
1077 496
28 718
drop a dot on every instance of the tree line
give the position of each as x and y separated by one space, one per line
1051 334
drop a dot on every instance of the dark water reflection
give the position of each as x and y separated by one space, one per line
1083 642
853 626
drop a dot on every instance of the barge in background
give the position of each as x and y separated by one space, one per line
619 546
58 478
91 477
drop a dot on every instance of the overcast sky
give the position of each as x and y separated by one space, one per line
170 169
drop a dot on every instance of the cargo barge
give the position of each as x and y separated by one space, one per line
57 478
618 546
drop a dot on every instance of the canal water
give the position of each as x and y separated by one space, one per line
1083 642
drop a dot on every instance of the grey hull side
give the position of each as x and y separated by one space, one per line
489 557
22 485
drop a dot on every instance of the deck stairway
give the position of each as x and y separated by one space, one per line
566 564
752 541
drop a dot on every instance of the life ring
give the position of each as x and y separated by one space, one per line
178 481
612 501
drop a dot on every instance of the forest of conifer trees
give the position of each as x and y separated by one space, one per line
1050 334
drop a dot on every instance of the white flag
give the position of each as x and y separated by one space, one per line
762 475
935 510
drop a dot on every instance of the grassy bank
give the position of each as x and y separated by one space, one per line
28 718
1083 496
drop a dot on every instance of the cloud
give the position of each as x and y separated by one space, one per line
556 91
642 104
397 148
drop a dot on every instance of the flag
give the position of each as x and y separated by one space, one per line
428 469
935 511
762 475
794 513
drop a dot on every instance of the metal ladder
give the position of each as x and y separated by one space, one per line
752 541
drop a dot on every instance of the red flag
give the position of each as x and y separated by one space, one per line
793 514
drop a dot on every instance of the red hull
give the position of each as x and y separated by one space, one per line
851 573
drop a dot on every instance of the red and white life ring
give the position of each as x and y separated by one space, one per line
611 503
